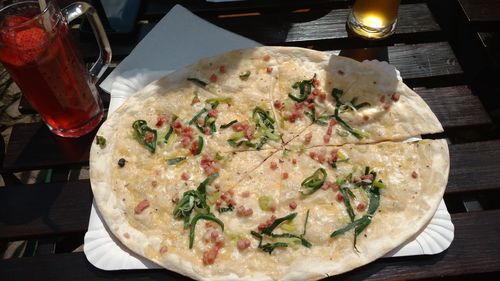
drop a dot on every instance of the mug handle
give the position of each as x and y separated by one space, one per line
74 11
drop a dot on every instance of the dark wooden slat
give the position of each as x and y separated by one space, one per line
474 166
44 209
455 106
32 146
41 210
426 64
481 10
472 251
416 24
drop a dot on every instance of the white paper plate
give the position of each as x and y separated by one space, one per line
107 253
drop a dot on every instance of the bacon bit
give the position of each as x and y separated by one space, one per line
326 137
312 154
141 206
274 207
395 96
340 197
243 244
185 141
209 165
308 138
149 136
249 133
414 175
241 211
218 202
126 235
214 235
222 69
299 106
387 106
210 256
266 58
157 172
382 98
154 184
269 70
219 242
177 124
212 113
333 122
340 72
321 158
335 186
185 176
294 161
175 200
161 120
292 205
209 224
194 147
361 206
231 192
316 92
367 177
240 126
311 106
327 185
207 131
245 194
213 78
284 175
316 83
163 249
263 225
322 97
279 105
366 118
274 165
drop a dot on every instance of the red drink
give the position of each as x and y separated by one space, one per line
49 70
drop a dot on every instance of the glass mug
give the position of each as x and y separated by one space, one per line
37 50
374 19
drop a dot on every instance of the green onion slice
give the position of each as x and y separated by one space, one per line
313 182
142 131
175 161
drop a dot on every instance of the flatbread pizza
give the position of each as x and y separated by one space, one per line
269 163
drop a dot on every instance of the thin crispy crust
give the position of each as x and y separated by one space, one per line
403 213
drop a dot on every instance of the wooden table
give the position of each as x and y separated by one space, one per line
446 50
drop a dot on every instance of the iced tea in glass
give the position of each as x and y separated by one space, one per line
37 50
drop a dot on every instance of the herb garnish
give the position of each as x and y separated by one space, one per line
208 121
362 223
225 126
229 208
305 89
196 200
313 182
268 231
200 145
145 135
100 141
175 161
170 130
198 81
355 132
245 75
264 125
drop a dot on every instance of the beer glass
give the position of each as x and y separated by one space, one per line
373 19
37 50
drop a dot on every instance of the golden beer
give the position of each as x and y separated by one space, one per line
374 19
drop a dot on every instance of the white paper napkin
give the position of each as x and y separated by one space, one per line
179 39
